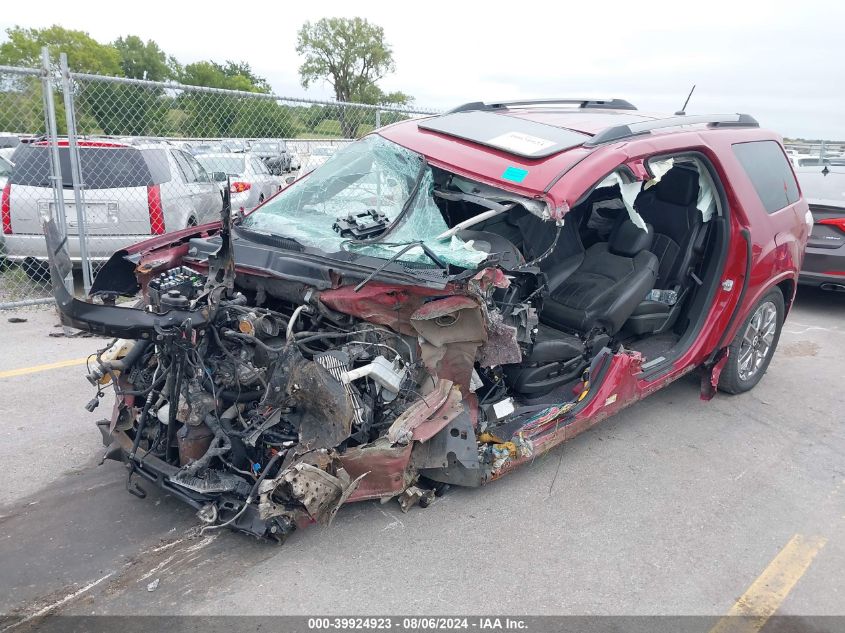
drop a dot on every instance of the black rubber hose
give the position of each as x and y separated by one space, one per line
134 354
173 402
142 422
230 394
263 474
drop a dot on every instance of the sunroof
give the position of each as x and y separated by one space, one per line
517 136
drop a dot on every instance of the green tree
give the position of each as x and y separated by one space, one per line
313 115
210 115
230 76
264 118
352 56
140 60
84 53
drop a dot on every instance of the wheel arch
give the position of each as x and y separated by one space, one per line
785 283
787 288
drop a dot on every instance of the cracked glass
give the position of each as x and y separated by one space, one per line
370 175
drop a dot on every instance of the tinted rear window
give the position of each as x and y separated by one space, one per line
102 167
769 171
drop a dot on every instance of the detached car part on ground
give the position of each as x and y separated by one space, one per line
438 304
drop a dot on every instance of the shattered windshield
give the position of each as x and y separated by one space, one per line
375 179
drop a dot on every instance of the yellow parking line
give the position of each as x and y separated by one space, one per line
36 368
766 594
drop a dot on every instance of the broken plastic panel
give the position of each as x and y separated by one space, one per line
630 191
371 175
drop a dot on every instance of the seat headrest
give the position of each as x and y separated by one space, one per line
678 186
627 239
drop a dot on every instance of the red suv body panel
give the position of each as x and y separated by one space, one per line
776 240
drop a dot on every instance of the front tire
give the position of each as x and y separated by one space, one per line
751 351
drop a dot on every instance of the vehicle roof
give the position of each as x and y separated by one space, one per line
224 155
479 156
108 143
585 120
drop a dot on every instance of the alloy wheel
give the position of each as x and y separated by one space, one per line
757 340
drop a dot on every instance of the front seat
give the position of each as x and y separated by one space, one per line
594 301
610 282
671 208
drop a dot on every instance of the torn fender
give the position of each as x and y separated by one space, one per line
710 374
383 469
428 415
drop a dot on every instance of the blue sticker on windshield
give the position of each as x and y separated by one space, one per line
515 174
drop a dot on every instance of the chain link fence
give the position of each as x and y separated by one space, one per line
123 159
22 116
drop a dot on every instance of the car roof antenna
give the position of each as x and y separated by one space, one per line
683 109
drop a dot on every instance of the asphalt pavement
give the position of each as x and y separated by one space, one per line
674 506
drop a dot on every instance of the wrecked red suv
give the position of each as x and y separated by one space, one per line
440 302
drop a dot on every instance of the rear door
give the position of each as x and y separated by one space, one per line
194 197
207 201
262 177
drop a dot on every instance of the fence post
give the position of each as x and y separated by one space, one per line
378 119
55 161
76 173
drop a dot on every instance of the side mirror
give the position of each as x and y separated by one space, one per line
218 176
289 180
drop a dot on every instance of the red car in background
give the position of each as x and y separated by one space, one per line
442 301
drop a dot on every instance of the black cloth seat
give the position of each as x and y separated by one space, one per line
609 283
670 207
567 255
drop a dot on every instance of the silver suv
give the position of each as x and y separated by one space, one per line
251 183
130 190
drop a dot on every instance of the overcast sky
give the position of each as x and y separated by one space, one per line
782 62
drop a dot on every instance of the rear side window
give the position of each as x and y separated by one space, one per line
101 167
769 171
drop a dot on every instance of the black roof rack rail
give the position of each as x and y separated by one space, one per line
619 132
599 104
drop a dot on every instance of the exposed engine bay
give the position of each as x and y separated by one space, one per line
268 390
268 418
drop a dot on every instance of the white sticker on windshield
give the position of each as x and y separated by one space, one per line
521 143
